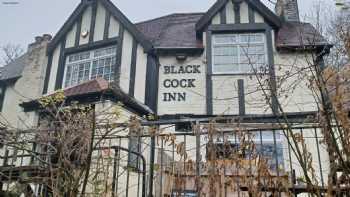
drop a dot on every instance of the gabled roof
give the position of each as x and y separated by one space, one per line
172 31
14 69
177 31
95 90
258 6
110 7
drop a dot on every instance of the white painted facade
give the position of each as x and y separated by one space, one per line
182 84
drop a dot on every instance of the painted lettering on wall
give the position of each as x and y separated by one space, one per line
177 80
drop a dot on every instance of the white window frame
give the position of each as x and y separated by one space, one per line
238 44
257 140
91 59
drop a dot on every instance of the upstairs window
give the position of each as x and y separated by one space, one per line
88 65
238 53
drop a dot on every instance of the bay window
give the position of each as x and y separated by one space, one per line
267 144
238 53
88 65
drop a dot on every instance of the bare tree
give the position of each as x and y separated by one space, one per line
10 52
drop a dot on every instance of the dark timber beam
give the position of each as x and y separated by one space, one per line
133 68
107 23
152 77
93 21
237 11
251 15
78 30
209 86
241 97
47 73
243 27
119 54
61 65
223 19
92 46
271 62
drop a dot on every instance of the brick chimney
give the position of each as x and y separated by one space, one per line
36 61
288 10
40 41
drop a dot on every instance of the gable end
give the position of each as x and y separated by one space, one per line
255 5
110 8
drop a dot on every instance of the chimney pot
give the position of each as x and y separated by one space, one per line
288 10
38 39
47 37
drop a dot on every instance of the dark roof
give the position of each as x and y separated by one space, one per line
272 19
92 86
95 90
298 34
178 31
14 69
172 31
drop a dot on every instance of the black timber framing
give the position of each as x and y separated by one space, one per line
209 82
92 46
251 15
78 31
271 62
133 68
237 11
271 18
241 96
176 51
223 15
61 65
107 24
67 26
47 73
119 54
114 11
204 20
243 27
152 77
124 21
93 22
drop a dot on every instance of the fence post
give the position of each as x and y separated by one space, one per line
151 168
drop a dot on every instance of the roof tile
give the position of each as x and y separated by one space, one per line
298 34
93 86
172 31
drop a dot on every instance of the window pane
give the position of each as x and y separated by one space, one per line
89 65
225 39
226 68
225 60
226 50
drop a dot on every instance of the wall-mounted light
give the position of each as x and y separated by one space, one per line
181 57
84 33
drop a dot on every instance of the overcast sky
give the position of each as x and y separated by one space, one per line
20 22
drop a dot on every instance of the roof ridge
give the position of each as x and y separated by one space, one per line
169 15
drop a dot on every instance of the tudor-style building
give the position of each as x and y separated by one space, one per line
195 60
192 65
